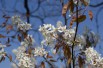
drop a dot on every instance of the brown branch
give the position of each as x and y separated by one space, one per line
73 55
48 62
12 61
27 10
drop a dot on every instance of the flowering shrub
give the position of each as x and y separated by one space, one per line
61 41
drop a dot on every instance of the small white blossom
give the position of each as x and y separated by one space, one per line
80 3
39 51
13 65
2 52
94 58
24 27
59 23
16 20
28 41
25 61
21 25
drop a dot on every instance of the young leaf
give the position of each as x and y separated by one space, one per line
84 2
67 53
65 9
9 27
48 56
81 18
69 60
71 23
10 58
30 51
24 34
53 60
2 36
80 61
71 5
90 14
19 38
42 64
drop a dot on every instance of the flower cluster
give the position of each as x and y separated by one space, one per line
94 58
2 52
24 26
24 59
52 34
28 41
39 51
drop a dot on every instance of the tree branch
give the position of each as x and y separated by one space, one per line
27 10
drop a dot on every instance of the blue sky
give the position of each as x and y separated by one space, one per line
11 5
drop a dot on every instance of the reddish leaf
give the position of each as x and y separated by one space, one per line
2 36
9 27
53 60
90 14
67 53
42 64
69 5
30 51
6 16
65 9
81 18
19 38
84 2
10 58
71 23
24 34
30 39
48 56
69 60
81 62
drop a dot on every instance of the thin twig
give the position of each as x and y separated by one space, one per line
75 36
12 61
48 62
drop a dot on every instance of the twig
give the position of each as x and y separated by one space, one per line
12 61
48 62
27 10
75 36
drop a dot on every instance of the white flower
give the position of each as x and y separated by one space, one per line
80 3
61 29
15 51
24 26
54 51
69 33
13 65
25 61
59 23
2 52
94 58
16 20
29 40
39 51
47 28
